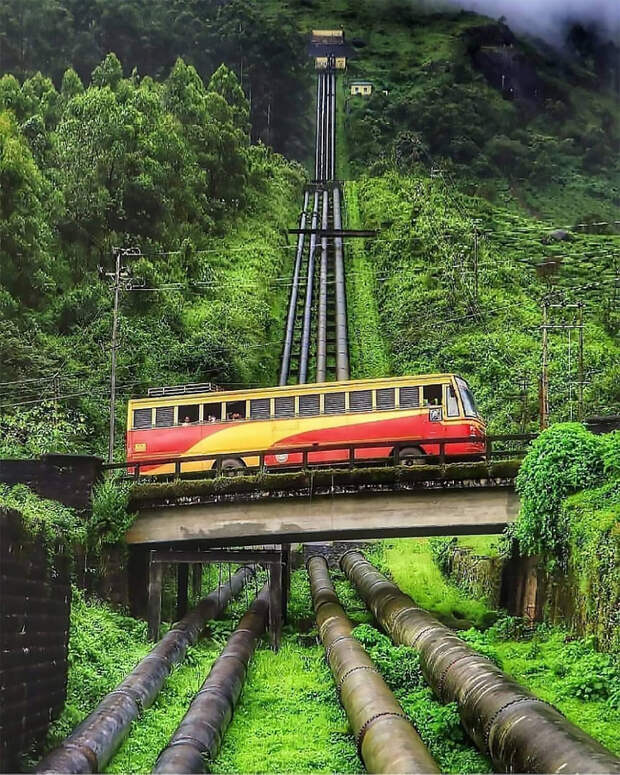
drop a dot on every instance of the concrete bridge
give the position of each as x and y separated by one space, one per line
327 505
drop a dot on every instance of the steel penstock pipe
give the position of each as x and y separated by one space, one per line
386 740
95 740
199 735
519 731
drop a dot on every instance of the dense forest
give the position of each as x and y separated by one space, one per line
165 167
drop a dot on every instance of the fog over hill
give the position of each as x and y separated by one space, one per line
548 19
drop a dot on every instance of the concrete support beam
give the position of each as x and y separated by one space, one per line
464 511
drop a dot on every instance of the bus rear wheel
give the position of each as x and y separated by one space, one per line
232 466
411 456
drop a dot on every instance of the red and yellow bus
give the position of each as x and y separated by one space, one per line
412 410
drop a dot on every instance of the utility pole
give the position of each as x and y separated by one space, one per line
119 278
544 380
544 375
581 370
476 265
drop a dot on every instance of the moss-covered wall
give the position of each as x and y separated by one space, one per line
477 575
34 633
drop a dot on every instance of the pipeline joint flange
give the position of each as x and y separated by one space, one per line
492 720
189 740
343 678
136 700
330 648
85 750
369 722
442 677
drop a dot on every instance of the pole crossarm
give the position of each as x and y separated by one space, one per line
336 232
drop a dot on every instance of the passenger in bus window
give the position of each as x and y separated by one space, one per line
211 418
432 395
236 416
186 421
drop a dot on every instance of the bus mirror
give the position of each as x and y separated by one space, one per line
434 414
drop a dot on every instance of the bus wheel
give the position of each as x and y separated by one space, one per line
232 466
411 456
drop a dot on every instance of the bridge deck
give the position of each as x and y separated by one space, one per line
403 504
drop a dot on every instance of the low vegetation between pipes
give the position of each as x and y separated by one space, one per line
385 739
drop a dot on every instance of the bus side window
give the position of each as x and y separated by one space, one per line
164 416
285 406
409 397
334 403
188 414
385 398
453 404
259 409
309 405
432 395
235 410
141 419
212 412
360 400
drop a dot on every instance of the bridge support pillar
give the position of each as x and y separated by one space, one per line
276 595
182 589
154 600
286 580
196 583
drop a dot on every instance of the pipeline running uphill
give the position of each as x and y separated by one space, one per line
92 743
199 735
386 740
519 731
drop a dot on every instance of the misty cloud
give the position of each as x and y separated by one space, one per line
549 19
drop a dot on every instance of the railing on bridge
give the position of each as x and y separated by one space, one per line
497 448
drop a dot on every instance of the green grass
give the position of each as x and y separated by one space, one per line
152 731
567 672
289 718
412 568
367 348
483 546
104 646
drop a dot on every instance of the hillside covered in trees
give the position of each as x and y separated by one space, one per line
167 167
152 124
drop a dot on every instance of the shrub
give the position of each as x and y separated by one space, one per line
48 521
399 665
110 518
441 549
564 459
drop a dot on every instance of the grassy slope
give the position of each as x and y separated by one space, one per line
412 567
367 347
424 298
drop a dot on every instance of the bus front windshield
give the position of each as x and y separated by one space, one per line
469 405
